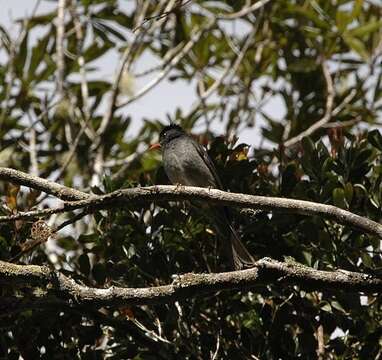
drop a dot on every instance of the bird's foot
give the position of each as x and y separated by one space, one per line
179 187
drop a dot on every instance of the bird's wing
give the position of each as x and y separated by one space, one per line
207 160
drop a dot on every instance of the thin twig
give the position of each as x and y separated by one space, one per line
117 78
244 11
111 104
171 64
98 166
60 37
215 354
81 61
164 14
342 124
9 84
33 151
14 47
71 221
320 343
345 102
232 71
328 109
73 147
150 333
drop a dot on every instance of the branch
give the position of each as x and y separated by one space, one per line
33 152
81 59
171 64
60 46
125 59
165 193
328 109
11 305
265 271
164 14
123 65
342 124
230 70
244 11
37 183
13 52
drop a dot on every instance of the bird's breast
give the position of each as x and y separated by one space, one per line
183 165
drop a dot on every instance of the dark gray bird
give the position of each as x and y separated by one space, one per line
186 162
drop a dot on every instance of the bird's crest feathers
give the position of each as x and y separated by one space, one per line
169 132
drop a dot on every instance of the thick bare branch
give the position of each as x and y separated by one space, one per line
164 193
37 183
265 271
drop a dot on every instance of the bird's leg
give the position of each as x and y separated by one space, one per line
179 186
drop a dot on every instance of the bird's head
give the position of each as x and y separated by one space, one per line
167 134
170 132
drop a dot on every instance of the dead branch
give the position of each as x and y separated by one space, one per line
165 193
37 183
265 271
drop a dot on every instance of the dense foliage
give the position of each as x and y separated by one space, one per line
61 120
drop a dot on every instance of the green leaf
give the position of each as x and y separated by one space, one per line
40 20
5 39
308 14
326 307
105 28
343 18
308 146
375 139
362 158
339 198
95 50
348 192
303 65
99 272
357 8
46 71
84 264
366 29
67 243
289 179
308 257
356 45
38 53
366 260
336 305
22 56
88 238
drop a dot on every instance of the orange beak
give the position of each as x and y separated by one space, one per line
155 146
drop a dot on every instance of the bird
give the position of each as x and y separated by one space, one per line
186 162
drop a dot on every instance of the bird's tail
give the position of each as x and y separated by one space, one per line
241 257
233 247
